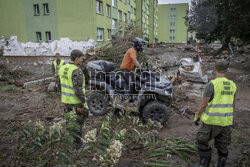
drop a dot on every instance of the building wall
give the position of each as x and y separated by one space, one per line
181 27
142 17
153 10
12 19
75 19
42 22
102 20
171 23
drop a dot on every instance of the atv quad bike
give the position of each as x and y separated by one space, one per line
154 93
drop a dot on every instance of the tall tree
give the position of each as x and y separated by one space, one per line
220 20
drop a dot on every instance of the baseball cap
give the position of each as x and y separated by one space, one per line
221 65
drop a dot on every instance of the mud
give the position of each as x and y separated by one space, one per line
19 105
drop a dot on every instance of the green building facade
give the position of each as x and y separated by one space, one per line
153 18
47 20
171 23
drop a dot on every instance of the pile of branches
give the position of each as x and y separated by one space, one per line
115 49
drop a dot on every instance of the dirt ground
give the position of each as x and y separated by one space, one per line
20 104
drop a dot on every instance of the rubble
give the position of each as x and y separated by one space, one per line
51 86
244 78
192 70
63 46
216 46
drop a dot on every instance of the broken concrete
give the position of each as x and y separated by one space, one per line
64 46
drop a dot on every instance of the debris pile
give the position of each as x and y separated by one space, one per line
7 75
192 70
63 46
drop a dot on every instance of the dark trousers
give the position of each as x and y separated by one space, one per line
221 136
80 121
57 83
129 79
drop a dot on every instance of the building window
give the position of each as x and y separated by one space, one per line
36 10
98 7
134 11
114 24
48 36
108 10
38 36
128 1
128 15
125 17
120 15
173 37
46 8
108 34
170 37
114 3
173 31
170 31
146 16
99 34
146 6
173 23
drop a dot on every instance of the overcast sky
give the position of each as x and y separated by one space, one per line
173 1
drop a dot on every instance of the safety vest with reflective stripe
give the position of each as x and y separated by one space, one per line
220 110
58 67
68 92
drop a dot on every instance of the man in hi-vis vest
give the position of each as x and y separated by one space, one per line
57 63
73 90
216 113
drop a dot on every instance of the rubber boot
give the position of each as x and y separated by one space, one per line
221 162
205 158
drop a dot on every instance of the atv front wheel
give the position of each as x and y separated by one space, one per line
156 111
97 103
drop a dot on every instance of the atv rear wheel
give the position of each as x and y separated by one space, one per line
97 103
156 111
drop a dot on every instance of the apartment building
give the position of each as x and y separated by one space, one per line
171 26
47 20
153 18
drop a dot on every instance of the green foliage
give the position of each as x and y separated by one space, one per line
122 136
222 20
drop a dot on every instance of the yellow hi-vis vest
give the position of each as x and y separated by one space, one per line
68 92
58 67
220 110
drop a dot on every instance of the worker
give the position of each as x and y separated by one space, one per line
90 55
129 62
57 63
216 114
73 90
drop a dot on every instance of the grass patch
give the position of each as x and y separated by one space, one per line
6 88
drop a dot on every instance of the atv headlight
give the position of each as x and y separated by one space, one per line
166 92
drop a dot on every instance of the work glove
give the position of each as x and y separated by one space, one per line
84 111
196 120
